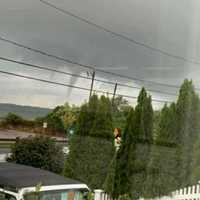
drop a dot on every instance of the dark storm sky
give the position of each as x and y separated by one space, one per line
170 25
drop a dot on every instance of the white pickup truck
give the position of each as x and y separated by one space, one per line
19 182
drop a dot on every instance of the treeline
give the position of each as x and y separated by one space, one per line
62 119
154 162
159 151
55 125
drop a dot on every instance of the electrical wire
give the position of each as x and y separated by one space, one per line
79 76
119 35
90 67
75 87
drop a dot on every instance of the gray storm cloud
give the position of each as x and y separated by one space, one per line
169 25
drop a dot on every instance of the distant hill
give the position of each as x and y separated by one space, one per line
27 112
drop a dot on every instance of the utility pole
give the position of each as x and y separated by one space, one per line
114 93
92 83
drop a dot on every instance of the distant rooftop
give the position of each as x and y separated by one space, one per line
20 176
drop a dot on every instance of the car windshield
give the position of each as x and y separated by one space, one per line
56 195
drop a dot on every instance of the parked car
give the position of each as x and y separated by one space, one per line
19 182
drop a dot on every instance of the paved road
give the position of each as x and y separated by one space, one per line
4 150
12 134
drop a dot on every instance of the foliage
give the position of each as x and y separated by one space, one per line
13 120
41 152
122 174
68 114
90 196
103 124
188 128
120 112
142 131
195 164
159 152
124 197
133 156
162 169
109 184
54 124
91 147
60 120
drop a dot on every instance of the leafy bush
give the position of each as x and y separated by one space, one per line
55 124
92 145
41 152
124 197
13 119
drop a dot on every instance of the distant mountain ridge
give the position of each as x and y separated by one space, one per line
27 112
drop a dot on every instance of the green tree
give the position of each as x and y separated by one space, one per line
92 146
134 153
41 152
163 168
103 124
142 140
122 172
195 164
120 111
109 184
143 123
13 120
54 124
188 128
68 114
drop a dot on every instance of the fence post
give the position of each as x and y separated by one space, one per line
98 194
197 189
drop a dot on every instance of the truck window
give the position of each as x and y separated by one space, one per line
56 195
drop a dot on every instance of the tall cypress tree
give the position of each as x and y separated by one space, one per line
109 184
143 138
162 168
103 124
195 164
122 182
101 144
187 128
77 143
133 155
195 161
92 146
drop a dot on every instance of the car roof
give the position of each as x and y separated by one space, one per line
21 176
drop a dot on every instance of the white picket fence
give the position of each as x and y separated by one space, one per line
187 193
101 195
3 157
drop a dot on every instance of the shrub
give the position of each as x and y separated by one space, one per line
13 119
41 152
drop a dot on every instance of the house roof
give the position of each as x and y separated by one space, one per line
20 176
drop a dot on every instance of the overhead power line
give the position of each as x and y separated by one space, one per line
75 87
119 35
85 66
79 76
